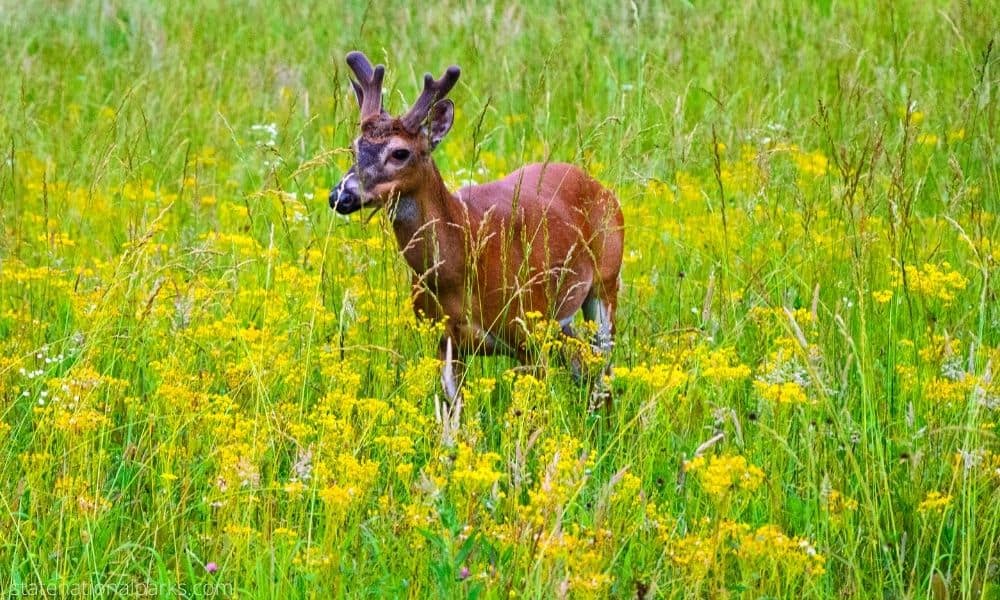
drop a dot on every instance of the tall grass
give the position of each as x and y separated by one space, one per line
213 385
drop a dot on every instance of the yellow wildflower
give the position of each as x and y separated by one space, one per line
474 471
723 366
882 296
294 488
939 282
720 475
837 504
658 377
934 502
788 392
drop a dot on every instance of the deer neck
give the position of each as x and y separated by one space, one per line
428 228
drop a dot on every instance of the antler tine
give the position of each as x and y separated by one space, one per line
433 91
368 87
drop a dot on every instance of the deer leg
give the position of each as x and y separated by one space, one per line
600 310
452 369
575 362
449 412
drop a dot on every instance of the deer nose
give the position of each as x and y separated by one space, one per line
344 202
345 197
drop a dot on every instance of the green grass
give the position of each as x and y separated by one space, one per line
200 363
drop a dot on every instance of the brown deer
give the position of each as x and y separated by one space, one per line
546 238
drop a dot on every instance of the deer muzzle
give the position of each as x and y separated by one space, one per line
346 196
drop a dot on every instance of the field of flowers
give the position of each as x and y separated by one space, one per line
212 385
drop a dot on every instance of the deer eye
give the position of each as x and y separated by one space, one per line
401 154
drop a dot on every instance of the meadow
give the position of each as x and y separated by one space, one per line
214 386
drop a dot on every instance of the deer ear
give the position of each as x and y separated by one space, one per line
439 121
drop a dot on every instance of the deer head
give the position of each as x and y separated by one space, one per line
392 154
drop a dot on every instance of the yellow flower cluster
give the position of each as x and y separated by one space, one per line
769 545
720 475
882 296
312 558
627 497
578 556
480 388
788 392
574 559
813 164
529 406
934 502
938 348
79 421
775 316
352 480
657 377
475 472
421 379
950 391
752 170
744 175
939 282
723 366
837 504
564 470
731 546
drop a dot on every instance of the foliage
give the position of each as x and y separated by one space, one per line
213 384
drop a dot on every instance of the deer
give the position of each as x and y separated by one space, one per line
547 238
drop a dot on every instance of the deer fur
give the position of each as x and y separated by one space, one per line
545 238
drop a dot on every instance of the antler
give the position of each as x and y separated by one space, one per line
368 87
433 91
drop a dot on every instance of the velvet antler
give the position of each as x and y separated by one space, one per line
368 87
433 91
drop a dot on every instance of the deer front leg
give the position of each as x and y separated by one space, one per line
575 361
600 310
449 412
452 370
